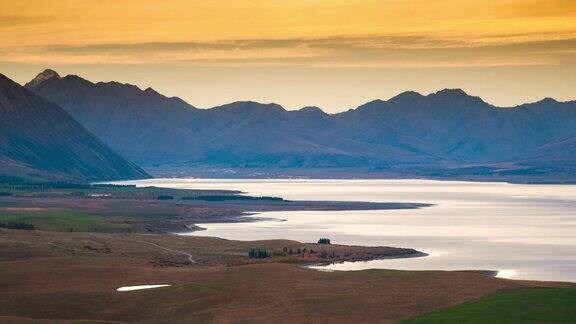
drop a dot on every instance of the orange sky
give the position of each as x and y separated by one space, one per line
336 54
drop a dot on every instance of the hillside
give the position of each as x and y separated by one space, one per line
448 127
40 141
141 125
149 129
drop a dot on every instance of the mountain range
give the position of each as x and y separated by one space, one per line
74 129
448 127
40 141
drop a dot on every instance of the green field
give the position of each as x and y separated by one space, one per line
63 221
531 305
67 207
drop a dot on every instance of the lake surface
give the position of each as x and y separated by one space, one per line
522 231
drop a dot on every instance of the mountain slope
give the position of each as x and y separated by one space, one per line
558 153
448 127
141 125
267 135
152 129
451 123
39 140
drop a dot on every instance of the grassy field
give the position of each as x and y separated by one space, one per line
213 279
56 276
106 208
528 305
64 221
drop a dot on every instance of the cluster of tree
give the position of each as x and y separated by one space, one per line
258 254
17 225
324 241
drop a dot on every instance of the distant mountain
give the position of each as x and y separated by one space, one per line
254 134
149 128
141 125
448 127
457 126
559 153
40 141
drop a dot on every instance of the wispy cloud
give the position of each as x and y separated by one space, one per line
403 51
15 21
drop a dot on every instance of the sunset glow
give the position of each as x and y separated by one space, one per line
246 47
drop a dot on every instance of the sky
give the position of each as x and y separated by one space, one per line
333 54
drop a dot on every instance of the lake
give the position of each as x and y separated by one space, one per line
522 231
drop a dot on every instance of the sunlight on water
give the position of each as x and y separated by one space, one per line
522 231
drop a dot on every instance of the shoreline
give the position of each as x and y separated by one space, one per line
416 254
352 174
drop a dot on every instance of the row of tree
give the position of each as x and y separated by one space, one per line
297 251
17 225
323 254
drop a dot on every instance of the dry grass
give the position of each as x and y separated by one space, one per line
53 276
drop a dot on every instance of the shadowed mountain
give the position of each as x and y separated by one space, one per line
446 127
40 141
142 125
457 126
250 133
561 153
149 128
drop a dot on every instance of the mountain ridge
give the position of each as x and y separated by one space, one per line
40 141
447 126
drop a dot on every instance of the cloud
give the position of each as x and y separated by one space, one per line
401 50
14 21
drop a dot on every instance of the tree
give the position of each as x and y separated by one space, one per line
324 241
258 254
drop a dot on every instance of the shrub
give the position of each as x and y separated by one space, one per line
258 254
